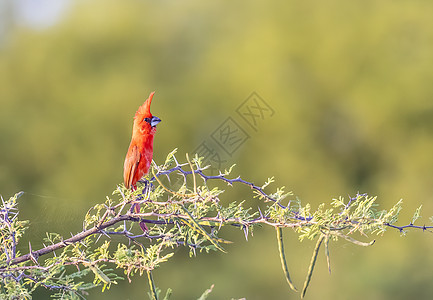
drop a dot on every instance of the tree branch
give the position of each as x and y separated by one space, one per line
78 237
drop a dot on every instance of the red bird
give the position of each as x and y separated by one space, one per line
140 152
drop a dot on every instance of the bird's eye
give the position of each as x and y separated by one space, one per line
147 120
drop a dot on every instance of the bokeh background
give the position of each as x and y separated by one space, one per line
350 83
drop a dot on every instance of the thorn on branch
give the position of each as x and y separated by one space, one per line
245 229
33 255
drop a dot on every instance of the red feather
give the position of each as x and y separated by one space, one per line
140 152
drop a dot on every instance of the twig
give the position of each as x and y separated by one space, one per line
312 265
152 285
283 258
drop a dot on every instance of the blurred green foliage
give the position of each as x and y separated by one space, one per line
350 83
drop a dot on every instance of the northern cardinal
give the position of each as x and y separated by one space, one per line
140 152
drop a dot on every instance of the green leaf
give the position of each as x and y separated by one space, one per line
206 293
416 215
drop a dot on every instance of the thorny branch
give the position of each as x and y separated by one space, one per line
175 214
76 238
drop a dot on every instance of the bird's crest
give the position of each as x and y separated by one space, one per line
144 110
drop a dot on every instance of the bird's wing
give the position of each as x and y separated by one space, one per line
130 167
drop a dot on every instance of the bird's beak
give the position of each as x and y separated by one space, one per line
154 121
